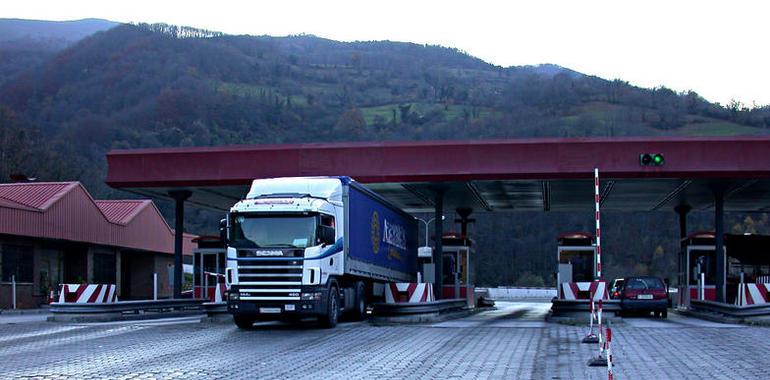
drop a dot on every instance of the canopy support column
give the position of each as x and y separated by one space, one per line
682 211
179 197
719 227
438 253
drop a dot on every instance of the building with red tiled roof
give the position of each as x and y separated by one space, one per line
53 233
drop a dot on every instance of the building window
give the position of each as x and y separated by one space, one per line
104 268
17 261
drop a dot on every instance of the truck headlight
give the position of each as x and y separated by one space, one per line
314 296
235 296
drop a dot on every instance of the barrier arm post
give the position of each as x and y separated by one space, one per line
600 360
591 337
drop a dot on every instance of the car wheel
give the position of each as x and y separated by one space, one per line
329 320
656 314
664 313
243 321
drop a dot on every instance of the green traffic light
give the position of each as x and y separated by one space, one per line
651 159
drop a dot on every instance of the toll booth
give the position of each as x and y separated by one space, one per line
209 263
748 262
700 267
456 268
576 268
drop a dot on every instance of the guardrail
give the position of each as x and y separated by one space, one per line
397 309
731 310
513 293
128 306
569 306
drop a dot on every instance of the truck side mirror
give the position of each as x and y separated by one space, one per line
223 231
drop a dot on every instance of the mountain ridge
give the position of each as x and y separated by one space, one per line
160 85
145 86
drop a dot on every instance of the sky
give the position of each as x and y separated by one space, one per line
717 49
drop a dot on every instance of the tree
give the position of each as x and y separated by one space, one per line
528 279
350 125
405 110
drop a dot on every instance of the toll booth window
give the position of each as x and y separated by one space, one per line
582 264
750 270
735 268
702 261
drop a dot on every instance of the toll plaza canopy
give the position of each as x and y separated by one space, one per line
485 175
723 174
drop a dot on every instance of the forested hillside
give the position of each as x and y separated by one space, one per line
137 86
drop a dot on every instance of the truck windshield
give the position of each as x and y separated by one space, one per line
252 231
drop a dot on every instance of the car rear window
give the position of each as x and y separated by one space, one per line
644 283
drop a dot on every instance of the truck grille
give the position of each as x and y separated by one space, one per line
270 280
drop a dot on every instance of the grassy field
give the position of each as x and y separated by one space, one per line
719 128
694 125
254 90
451 112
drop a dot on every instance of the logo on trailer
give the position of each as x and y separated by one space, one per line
376 232
394 235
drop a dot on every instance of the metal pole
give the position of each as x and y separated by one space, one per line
179 196
719 221
13 290
205 285
702 286
438 253
682 211
155 286
597 202
426 229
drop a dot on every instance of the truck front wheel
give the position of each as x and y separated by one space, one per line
329 320
243 321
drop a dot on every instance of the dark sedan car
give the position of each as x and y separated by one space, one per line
644 294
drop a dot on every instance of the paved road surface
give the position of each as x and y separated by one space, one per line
12 318
512 342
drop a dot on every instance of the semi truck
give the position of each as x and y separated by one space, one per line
313 247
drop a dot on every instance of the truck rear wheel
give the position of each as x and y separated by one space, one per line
243 321
329 320
359 307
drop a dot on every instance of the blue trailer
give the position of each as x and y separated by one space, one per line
381 240
314 246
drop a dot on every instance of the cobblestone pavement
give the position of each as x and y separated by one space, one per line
510 343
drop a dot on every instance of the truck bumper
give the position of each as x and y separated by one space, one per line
279 310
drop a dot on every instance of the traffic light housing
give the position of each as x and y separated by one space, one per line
651 159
